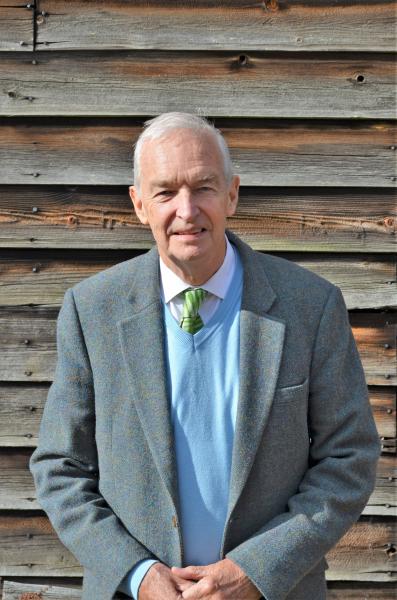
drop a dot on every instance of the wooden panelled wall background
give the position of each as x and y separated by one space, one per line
304 93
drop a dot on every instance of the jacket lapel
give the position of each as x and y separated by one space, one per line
261 347
142 341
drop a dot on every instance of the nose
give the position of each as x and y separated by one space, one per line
187 208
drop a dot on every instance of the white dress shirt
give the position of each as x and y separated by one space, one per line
172 287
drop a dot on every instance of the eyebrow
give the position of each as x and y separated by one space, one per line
203 179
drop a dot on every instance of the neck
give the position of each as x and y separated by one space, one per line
195 273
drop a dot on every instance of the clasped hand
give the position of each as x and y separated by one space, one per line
223 580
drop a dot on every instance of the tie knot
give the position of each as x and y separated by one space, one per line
193 299
191 320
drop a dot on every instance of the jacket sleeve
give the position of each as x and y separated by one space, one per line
342 465
65 465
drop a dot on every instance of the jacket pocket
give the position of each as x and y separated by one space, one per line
292 393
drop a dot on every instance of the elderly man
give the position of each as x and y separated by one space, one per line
208 433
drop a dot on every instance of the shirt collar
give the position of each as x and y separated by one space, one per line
218 284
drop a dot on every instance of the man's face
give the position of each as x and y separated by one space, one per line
185 199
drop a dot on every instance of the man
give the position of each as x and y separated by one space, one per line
208 433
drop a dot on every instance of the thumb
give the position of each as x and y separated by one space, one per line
191 572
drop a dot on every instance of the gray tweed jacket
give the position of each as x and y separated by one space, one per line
305 450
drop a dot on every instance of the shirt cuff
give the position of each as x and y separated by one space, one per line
133 579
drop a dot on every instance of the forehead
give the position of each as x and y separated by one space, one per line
181 153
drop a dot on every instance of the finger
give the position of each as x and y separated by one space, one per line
196 591
183 584
191 572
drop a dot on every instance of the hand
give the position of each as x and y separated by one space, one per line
160 584
223 580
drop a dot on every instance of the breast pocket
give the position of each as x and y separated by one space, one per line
292 393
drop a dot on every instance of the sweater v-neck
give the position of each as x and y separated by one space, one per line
193 341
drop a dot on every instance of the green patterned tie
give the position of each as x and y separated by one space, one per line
191 320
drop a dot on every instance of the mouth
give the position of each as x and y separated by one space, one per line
190 232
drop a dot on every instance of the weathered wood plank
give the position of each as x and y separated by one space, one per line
383 402
20 591
366 553
360 591
375 336
17 590
16 25
21 409
278 219
367 281
27 337
287 153
383 500
226 25
132 83
14 590
30 547
17 491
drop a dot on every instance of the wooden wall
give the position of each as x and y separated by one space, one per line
304 92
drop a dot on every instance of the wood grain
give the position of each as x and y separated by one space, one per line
366 281
16 26
264 154
367 552
21 410
254 84
360 591
227 25
294 219
30 547
30 591
27 336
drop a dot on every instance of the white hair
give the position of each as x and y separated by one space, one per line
158 126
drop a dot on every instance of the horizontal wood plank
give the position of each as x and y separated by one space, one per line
375 336
276 219
367 552
132 83
90 151
17 491
360 591
16 25
366 281
19 590
383 500
27 336
226 25
13 590
30 547
21 409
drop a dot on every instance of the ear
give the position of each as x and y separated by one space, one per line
138 205
232 200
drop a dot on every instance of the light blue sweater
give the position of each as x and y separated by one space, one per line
203 385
